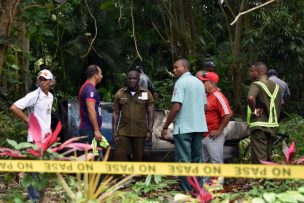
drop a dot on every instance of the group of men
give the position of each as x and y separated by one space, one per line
199 111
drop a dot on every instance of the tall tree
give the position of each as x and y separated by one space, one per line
8 10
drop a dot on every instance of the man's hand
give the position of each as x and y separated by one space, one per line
164 133
259 112
115 137
98 135
214 133
149 135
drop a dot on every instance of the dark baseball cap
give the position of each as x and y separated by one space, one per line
209 63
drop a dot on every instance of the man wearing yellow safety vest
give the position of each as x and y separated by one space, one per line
264 104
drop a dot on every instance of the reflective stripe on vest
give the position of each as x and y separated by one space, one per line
273 119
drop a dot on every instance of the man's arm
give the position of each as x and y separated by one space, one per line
172 114
93 119
19 113
251 102
115 117
150 120
286 96
224 122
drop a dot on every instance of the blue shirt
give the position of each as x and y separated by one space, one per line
88 92
190 92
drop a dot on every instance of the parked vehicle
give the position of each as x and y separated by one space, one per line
159 149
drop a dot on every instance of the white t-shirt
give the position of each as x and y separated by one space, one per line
41 104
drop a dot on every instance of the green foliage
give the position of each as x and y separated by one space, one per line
39 184
152 184
293 126
22 145
107 93
164 89
276 36
245 155
292 196
12 128
266 190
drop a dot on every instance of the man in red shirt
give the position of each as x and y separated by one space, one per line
218 114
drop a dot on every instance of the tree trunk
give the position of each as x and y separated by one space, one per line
236 71
24 45
8 10
236 68
179 14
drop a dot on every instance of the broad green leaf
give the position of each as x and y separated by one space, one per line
182 198
301 189
17 200
157 179
285 197
257 200
24 145
13 143
32 29
297 195
47 33
147 189
269 197
79 195
148 180
27 180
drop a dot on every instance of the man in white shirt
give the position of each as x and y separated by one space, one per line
40 103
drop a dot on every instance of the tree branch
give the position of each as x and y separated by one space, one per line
249 10
229 8
133 30
95 24
158 32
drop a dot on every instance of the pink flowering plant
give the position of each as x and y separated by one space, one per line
44 147
203 195
289 154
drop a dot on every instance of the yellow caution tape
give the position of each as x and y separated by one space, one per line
155 168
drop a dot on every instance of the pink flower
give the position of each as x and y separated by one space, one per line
10 152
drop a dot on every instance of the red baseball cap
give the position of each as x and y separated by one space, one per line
211 76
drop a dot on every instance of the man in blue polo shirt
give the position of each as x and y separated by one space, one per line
188 114
89 100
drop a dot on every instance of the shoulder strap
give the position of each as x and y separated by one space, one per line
264 87
32 108
273 119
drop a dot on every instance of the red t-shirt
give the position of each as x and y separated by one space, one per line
217 107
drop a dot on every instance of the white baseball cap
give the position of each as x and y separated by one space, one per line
46 74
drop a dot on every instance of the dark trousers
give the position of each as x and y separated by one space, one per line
125 144
33 194
88 140
261 146
188 149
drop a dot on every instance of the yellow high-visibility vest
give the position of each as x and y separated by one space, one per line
273 119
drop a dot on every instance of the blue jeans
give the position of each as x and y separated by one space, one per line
188 147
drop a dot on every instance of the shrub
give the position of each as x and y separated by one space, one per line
293 126
12 128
